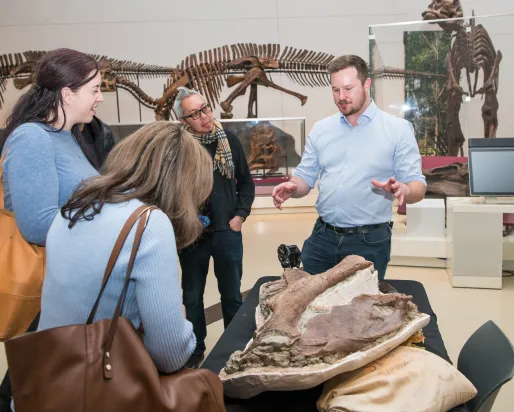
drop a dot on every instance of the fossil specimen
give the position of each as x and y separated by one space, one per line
450 180
310 328
265 153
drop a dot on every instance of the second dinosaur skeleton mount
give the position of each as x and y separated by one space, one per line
311 328
472 49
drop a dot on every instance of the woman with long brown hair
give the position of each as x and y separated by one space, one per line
43 160
161 165
42 151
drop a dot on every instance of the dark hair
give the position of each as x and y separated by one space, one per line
160 164
54 71
350 60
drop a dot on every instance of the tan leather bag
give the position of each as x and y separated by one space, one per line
22 270
104 366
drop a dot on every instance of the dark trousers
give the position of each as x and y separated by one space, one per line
226 249
325 248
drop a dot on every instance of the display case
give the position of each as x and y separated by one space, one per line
273 146
451 78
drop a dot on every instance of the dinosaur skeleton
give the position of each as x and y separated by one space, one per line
241 65
115 74
472 49
245 65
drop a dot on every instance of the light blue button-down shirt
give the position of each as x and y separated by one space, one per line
347 158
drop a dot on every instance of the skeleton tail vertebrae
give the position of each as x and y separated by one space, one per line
137 92
387 72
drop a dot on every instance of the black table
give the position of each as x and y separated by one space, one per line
241 329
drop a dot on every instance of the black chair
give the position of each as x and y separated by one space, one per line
487 360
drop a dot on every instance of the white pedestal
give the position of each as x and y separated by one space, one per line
426 218
475 242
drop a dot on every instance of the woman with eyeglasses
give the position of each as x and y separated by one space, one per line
228 206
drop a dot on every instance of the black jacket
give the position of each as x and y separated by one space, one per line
230 197
96 142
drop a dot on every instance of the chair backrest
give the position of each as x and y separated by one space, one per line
487 360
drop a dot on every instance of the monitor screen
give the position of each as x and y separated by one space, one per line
491 171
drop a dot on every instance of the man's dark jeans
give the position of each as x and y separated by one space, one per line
325 248
226 249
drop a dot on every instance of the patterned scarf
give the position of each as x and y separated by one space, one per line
223 158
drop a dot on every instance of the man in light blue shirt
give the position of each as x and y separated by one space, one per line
363 158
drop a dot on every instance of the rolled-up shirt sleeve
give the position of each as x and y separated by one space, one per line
407 159
308 169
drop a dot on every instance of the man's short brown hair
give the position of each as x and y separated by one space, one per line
350 60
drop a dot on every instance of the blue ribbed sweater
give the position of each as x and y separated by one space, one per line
41 169
76 261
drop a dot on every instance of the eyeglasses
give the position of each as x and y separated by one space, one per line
196 114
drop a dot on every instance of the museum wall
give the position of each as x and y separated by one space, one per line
163 32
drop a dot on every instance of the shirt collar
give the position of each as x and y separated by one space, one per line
368 115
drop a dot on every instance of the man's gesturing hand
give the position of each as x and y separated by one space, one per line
282 192
398 189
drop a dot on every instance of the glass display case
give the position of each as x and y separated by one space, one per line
450 78
273 146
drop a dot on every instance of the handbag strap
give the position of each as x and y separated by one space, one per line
2 206
115 254
107 358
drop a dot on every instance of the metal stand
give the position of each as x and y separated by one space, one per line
118 105
140 116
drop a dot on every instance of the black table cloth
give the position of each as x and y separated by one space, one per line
241 329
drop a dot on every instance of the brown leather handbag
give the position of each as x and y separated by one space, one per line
22 270
104 366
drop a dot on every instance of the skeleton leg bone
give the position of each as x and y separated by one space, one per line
160 111
263 80
454 93
252 74
490 106
252 101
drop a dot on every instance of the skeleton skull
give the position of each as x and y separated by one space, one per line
108 77
444 9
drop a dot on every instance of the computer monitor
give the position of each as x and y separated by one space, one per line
491 167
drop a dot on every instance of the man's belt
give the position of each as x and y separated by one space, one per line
355 229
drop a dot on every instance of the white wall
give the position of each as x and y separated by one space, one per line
164 32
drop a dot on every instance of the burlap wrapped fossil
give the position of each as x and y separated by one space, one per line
312 328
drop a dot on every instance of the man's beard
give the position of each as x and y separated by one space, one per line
355 109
